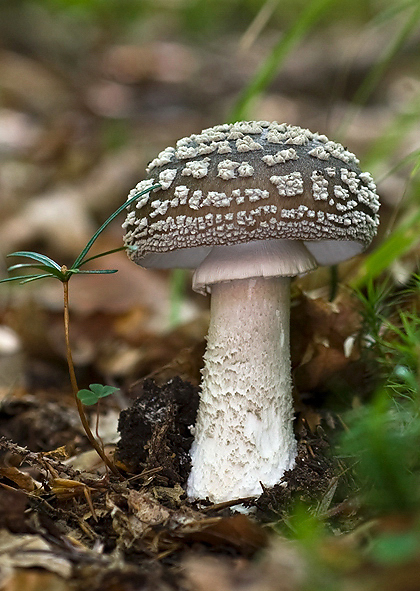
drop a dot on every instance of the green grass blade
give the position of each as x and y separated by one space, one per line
178 283
376 73
401 241
394 10
40 258
414 155
80 258
307 19
394 135
374 76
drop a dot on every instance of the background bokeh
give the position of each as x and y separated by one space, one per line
90 92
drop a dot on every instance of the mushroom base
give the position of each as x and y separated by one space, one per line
244 434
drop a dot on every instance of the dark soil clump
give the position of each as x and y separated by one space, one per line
311 478
155 431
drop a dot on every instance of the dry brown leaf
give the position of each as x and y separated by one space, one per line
126 525
146 508
28 551
23 480
60 454
13 504
324 362
320 332
237 532
64 488
33 580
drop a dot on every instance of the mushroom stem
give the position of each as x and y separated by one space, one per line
243 434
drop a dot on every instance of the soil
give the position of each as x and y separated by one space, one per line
155 430
145 519
155 435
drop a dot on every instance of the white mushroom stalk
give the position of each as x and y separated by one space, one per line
244 435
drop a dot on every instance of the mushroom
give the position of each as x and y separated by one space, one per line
248 206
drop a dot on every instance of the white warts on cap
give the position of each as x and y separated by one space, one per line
280 157
247 144
226 169
245 169
197 168
166 177
288 185
319 186
319 152
254 180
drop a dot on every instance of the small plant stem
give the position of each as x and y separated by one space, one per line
75 387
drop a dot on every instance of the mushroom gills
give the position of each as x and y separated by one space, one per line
331 252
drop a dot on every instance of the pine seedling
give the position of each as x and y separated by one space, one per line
43 267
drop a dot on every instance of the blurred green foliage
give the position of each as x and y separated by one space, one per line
383 435
205 18
383 438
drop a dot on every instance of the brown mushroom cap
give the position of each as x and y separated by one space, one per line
249 181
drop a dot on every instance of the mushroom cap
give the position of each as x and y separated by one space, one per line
250 181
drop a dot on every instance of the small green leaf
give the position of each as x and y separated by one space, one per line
27 266
94 393
53 269
95 272
50 271
40 258
37 277
26 278
87 397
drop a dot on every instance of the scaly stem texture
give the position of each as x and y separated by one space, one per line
75 387
244 434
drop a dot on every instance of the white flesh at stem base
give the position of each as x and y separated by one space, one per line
244 433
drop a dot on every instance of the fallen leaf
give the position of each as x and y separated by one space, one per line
27 551
23 480
238 532
34 580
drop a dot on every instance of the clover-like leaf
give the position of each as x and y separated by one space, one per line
94 393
